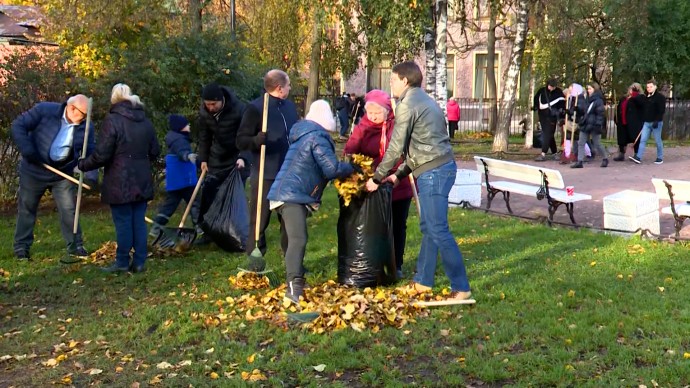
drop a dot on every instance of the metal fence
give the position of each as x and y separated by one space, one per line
474 117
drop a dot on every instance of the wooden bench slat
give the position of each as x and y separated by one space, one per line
520 172
527 180
531 190
681 189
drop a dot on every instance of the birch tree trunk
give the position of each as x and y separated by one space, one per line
529 137
491 65
441 54
511 84
430 54
314 61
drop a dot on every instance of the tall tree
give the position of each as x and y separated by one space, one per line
430 53
493 6
509 94
441 86
315 59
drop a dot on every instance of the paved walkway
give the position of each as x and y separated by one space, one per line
600 182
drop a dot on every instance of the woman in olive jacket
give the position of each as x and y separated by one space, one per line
126 146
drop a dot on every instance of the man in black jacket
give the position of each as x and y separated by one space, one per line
343 107
282 114
549 102
219 119
653 108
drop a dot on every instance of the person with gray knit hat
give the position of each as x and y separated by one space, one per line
309 164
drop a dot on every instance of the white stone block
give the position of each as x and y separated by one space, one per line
648 221
631 203
468 177
469 193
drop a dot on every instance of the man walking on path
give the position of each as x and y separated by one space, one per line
653 109
549 102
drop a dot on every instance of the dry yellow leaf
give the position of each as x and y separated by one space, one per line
214 375
250 359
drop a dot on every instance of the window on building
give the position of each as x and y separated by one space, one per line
381 75
481 10
481 84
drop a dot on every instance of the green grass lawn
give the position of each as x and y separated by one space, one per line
555 307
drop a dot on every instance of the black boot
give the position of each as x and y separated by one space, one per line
620 157
605 163
295 289
577 164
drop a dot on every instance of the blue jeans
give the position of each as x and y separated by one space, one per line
344 122
434 186
130 229
30 192
646 130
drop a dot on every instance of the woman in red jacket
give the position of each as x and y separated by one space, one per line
370 137
453 110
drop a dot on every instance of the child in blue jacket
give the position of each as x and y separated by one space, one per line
310 163
180 171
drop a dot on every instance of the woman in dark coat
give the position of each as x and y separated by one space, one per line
591 111
628 121
126 146
371 137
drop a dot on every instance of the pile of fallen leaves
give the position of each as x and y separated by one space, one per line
105 254
355 184
249 281
327 307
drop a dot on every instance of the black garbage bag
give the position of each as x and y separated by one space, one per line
366 256
227 220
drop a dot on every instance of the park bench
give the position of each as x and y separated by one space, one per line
543 183
678 192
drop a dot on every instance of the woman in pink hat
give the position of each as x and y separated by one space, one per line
370 137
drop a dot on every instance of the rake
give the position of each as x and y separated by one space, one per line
71 258
170 237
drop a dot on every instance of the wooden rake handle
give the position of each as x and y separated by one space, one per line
192 198
69 178
262 157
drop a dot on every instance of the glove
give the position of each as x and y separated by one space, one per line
655 125
260 139
80 164
357 168
192 157
77 170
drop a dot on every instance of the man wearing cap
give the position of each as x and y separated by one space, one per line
282 114
50 134
219 119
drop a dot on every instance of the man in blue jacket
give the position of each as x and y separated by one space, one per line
282 114
50 133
